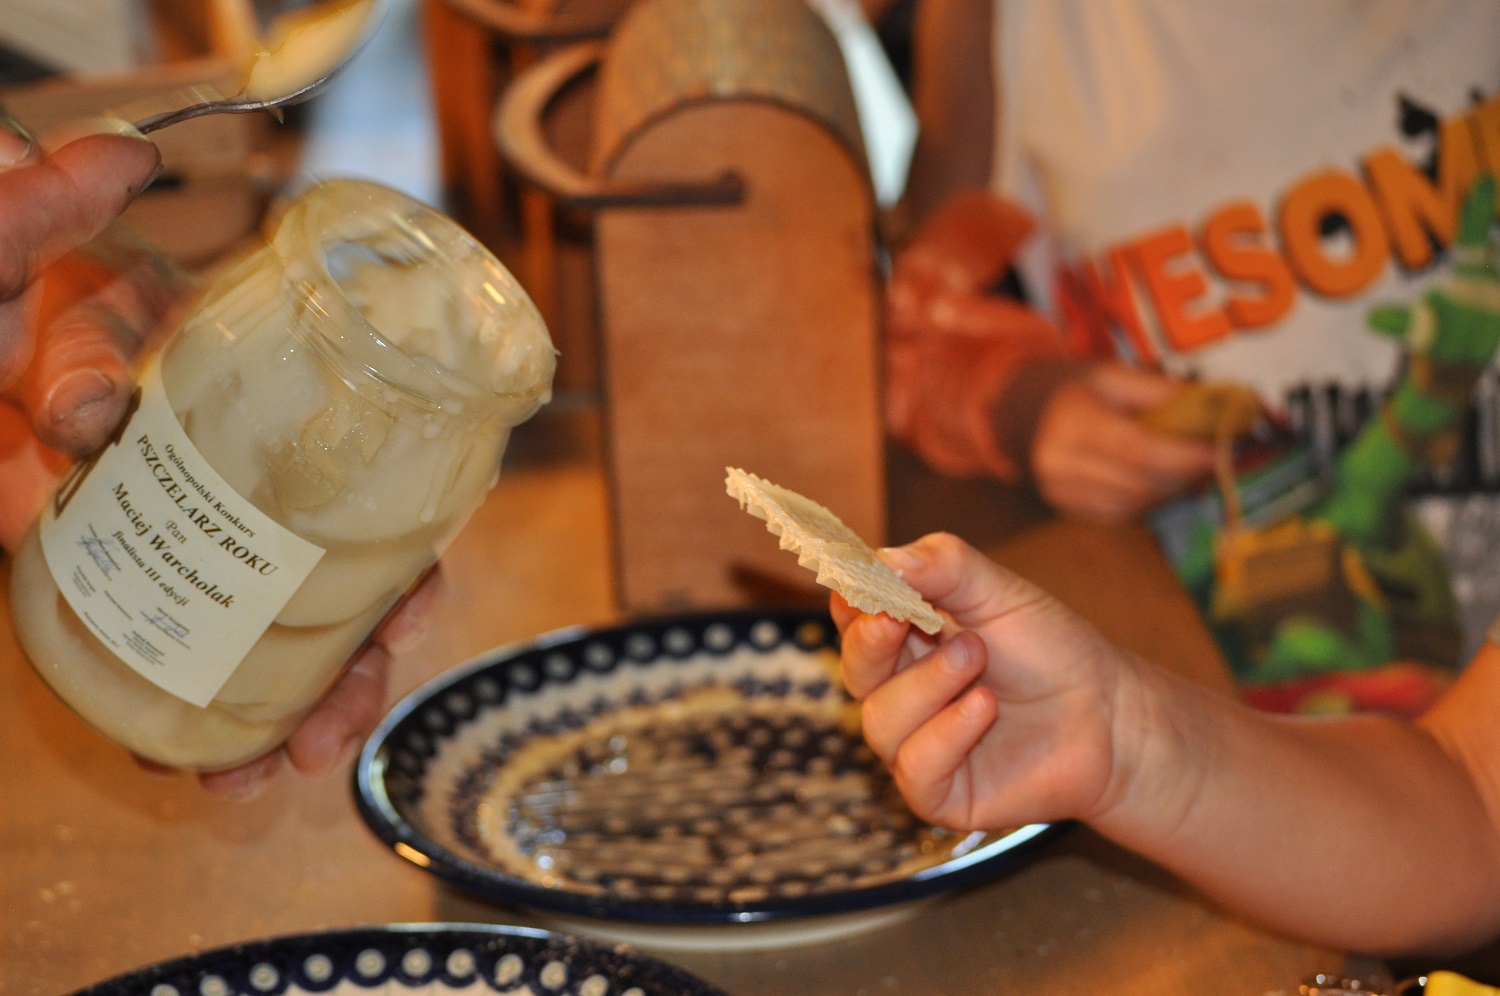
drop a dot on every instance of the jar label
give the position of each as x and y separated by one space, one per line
172 570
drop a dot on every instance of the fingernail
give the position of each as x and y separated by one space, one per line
16 143
958 655
155 172
972 705
112 125
105 124
76 392
72 131
901 558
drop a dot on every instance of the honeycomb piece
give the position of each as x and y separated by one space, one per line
825 545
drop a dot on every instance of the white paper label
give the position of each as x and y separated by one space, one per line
165 563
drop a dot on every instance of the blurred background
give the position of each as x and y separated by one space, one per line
383 120
82 57
725 312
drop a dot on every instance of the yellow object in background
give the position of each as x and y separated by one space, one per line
1453 984
1213 412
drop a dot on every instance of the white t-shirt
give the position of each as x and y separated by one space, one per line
1136 128
1225 188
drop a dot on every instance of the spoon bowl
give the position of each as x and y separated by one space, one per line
292 55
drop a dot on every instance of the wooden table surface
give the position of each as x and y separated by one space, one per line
104 868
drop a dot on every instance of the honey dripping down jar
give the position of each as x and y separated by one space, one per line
315 431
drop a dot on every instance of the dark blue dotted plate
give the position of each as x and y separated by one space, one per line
432 959
695 770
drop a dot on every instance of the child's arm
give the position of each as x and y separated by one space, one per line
978 383
1362 833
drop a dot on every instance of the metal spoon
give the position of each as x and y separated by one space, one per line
197 101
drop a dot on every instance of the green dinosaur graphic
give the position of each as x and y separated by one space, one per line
1353 582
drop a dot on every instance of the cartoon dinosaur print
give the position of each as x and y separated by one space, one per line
1352 585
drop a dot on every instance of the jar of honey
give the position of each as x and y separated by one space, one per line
316 430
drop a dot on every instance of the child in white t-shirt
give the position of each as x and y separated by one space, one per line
1214 192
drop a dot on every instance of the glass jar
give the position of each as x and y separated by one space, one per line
304 446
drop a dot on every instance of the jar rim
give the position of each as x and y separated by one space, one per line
347 210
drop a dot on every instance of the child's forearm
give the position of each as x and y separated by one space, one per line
1362 833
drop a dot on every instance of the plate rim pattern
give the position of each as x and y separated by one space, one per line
451 954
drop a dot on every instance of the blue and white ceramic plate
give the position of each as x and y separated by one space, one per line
676 773
430 959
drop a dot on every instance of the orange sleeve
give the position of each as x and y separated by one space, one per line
953 347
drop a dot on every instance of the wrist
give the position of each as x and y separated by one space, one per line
1019 406
1163 753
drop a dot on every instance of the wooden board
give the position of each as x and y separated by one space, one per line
745 336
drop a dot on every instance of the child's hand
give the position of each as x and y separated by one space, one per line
1092 458
1011 720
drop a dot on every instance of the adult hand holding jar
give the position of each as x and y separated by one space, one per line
75 310
65 383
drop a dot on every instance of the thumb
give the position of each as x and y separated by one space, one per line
957 578
67 199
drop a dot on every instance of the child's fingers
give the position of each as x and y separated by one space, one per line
870 653
898 707
1128 389
954 576
927 762
842 612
